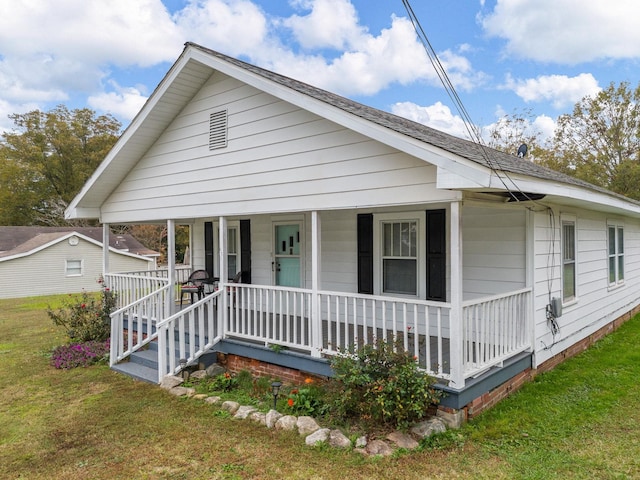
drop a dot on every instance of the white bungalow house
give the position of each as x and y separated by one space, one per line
37 260
349 224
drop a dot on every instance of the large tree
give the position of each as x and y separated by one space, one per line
600 141
47 158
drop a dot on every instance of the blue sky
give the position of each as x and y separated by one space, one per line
502 56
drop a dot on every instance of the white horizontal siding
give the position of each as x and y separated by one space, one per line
278 157
493 250
596 303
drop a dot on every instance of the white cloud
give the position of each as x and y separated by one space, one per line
232 27
437 116
560 90
123 102
330 24
567 31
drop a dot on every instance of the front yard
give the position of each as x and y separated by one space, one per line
580 421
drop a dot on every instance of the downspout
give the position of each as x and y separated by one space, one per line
457 341
105 249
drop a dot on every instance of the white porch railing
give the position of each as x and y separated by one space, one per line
134 325
188 334
495 329
129 287
128 284
419 327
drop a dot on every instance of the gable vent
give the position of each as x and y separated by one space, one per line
218 130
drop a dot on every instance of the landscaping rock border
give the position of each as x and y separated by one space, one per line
309 428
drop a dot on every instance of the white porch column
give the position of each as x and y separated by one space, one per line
105 249
456 341
171 264
224 276
316 282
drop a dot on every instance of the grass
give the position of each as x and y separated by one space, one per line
580 421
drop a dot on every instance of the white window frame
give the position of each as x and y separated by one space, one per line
68 267
618 254
231 225
569 220
378 245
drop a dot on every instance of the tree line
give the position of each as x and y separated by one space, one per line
48 156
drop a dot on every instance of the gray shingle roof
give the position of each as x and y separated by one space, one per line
472 151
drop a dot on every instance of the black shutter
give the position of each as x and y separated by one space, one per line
208 248
436 255
365 253
245 250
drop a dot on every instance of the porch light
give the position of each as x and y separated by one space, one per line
183 368
275 390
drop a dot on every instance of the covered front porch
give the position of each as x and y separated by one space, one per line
486 320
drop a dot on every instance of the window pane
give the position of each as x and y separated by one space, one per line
232 265
569 281
620 268
612 240
612 269
387 240
568 231
400 276
620 240
232 240
395 250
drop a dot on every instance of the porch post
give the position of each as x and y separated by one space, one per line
222 242
456 342
171 264
105 249
316 321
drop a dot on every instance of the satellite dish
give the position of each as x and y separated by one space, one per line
522 150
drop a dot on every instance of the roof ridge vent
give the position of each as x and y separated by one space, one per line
218 129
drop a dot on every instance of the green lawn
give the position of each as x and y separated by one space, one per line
580 421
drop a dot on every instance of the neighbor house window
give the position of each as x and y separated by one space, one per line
615 240
73 268
400 257
568 260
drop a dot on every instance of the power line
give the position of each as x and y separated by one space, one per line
464 114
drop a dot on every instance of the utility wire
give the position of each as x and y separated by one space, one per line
494 165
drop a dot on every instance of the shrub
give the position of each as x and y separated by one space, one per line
382 384
80 354
86 318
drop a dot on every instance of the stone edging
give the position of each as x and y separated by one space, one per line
309 428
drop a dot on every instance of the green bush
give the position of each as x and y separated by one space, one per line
382 384
87 317
308 400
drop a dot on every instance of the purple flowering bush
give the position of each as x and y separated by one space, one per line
80 354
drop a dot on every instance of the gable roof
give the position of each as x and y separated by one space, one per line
21 240
481 168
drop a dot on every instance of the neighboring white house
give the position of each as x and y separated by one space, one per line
51 260
349 223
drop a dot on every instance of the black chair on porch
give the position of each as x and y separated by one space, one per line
195 285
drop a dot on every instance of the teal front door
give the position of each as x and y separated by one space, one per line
287 255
